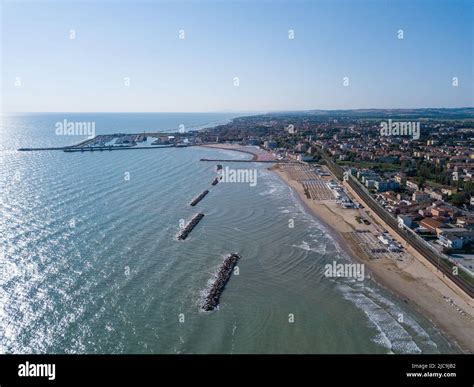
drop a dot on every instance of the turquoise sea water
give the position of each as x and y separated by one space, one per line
89 262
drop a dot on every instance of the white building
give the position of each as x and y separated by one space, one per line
405 221
451 241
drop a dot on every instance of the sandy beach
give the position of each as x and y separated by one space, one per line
256 153
407 276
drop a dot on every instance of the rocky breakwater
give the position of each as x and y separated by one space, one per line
222 277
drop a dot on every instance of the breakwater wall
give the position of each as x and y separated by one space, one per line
222 277
183 234
197 199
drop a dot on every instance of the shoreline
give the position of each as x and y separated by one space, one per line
256 153
412 284
412 281
254 156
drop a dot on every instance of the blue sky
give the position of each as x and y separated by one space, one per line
227 39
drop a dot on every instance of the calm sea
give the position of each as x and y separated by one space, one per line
89 262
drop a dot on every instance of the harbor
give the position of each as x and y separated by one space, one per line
121 141
42 149
112 148
93 148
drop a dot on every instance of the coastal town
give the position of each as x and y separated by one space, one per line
426 184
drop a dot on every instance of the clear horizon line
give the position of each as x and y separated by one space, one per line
228 111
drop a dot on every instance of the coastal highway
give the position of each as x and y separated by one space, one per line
413 240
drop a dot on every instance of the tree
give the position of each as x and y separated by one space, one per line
459 198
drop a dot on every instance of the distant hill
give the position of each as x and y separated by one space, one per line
432 113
